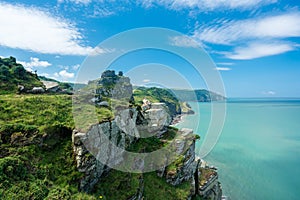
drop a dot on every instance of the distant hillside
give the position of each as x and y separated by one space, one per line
201 95
13 74
154 94
63 85
197 95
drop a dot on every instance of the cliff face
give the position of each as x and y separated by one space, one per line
141 132
90 165
186 168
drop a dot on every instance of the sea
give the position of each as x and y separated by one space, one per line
258 151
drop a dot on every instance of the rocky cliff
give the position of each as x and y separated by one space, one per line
83 143
105 145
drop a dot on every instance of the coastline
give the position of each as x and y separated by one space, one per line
178 119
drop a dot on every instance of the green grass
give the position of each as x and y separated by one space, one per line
157 188
30 169
34 172
13 74
155 95
150 144
36 110
118 185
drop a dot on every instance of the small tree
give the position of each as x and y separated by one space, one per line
120 73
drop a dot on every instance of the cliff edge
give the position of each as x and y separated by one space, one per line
127 131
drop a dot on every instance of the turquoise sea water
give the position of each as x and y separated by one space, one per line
258 152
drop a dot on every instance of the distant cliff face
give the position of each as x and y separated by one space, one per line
197 95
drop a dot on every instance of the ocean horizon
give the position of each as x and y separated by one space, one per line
258 151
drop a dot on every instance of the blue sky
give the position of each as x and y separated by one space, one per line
254 43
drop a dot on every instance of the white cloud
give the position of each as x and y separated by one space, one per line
35 62
64 74
184 41
75 67
254 38
44 74
32 29
228 32
270 92
223 68
146 80
206 4
257 50
85 2
103 12
225 63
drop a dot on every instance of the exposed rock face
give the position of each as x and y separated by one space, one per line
37 90
98 145
185 166
114 86
94 141
157 118
209 185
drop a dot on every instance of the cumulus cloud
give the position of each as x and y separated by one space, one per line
66 75
75 67
33 29
35 62
44 74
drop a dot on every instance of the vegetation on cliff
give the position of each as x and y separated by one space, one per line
154 95
13 74
36 159
36 152
200 95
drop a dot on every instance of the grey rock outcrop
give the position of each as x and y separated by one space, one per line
114 86
92 148
37 90
103 146
184 167
157 118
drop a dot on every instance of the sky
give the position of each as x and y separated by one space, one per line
254 44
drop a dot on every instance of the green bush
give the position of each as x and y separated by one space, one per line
58 193
12 169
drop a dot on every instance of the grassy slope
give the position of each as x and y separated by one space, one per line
157 95
35 171
200 95
13 74
39 171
